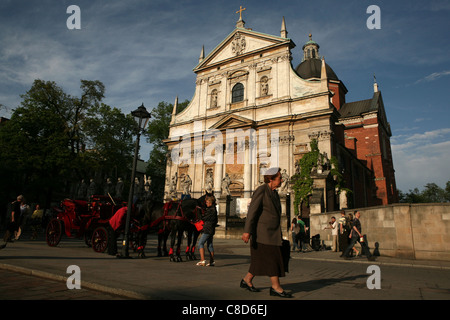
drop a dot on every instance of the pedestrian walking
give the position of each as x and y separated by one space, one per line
22 221
301 236
356 236
13 223
264 228
36 221
343 234
334 233
295 231
348 228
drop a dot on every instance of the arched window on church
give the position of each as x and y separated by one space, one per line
237 94
313 53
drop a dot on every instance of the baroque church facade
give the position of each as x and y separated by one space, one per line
253 110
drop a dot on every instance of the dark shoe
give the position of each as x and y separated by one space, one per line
244 285
371 258
283 294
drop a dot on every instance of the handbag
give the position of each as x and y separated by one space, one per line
199 225
286 253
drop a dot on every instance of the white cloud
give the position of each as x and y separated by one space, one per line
421 158
429 135
434 76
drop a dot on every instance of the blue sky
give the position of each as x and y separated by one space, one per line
144 52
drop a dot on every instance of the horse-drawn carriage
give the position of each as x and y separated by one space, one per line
91 221
79 218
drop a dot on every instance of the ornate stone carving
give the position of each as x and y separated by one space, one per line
264 86
214 94
226 181
209 180
238 44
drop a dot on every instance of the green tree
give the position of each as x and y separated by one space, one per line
447 191
53 139
431 193
158 130
108 140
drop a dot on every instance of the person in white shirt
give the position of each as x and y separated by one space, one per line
334 233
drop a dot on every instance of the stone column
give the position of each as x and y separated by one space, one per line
218 172
247 171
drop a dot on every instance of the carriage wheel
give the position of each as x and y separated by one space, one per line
54 232
88 238
100 239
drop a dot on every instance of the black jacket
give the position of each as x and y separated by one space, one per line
210 220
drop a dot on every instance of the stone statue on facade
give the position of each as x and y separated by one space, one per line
137 189
108 188
264 86
285 183
214 99
82 190
209 182
343 200
173 186
147 183
92 189
119 188
226 181
186 184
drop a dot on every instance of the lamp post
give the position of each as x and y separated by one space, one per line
141 115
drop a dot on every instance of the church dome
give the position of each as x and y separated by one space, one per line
311 68
311 65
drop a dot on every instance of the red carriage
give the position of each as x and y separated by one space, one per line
79 218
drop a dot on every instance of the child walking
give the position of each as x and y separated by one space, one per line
209 228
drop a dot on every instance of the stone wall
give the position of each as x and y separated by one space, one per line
412 231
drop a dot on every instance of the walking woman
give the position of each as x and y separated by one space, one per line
263 227
295 229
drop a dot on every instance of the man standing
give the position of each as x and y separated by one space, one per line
334 233
343 235
356 236
302 234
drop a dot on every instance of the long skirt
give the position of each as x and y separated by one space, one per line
266 260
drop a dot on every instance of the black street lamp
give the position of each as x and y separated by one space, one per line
141 115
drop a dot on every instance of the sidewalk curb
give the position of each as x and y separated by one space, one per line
85 284
384 263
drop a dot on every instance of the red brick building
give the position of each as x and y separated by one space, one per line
361 135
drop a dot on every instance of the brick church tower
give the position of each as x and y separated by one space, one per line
364 133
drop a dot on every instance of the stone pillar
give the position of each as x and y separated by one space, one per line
283 222
218 172
247 172
221 230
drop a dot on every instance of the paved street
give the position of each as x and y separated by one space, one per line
30 270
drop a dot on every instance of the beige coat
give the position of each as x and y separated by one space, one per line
264 215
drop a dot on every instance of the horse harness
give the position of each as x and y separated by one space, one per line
178 215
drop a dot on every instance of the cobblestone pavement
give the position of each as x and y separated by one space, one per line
19 286
31 270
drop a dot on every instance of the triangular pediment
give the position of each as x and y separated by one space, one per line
240 43
233 122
